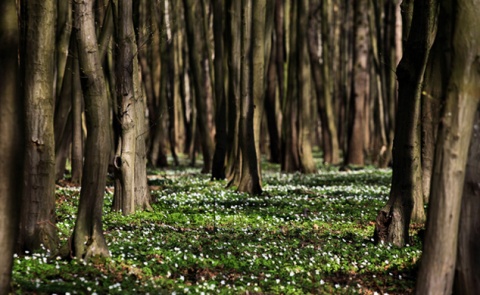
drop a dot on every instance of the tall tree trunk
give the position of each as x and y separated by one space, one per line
467 270
12 143
250 178
233 45
437 266
322 77
77 110
198 57
218 163
87 238
406 200
357 122
37 218
296 146
131 191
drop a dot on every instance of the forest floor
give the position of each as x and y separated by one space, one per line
304 234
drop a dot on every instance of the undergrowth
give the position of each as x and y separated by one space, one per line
304 234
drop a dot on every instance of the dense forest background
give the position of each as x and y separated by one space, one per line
99 88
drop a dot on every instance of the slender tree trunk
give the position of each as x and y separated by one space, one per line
218 164
87 238
437 266
77 110
12 141
198 51
406 200
250 178
37 218
358 122
233 45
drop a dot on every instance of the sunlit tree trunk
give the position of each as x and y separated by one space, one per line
87 238
406 200
12 141
131 191
37 59
437 266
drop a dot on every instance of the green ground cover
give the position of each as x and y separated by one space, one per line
305 234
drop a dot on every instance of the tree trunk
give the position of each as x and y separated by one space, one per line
357 122
322 78
12 143
296 147
37 218
218 163
467 271
437 266
198 57
249 178
77 110
406 201
87 238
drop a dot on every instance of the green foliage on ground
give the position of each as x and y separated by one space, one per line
305 234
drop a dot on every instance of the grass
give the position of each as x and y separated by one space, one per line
305 234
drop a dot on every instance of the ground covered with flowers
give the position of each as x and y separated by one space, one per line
304 234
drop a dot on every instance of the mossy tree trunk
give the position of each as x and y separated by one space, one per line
12 143
37 218
437 268
87 238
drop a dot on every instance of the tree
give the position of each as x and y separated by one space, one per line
37 217
250 174
12 143
322 77
296 146
437 266
405 202
196 38
131 191
467 274
357 120
87 238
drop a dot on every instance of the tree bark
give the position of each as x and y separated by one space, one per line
77 111
87 238
37 218
437 266
357 122
467 270
249 178
198 57
406 200
12 143
218 163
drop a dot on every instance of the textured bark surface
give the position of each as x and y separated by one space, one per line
249 178
12 141
467 271
77 110
437 266
37 218
406 200
87 238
